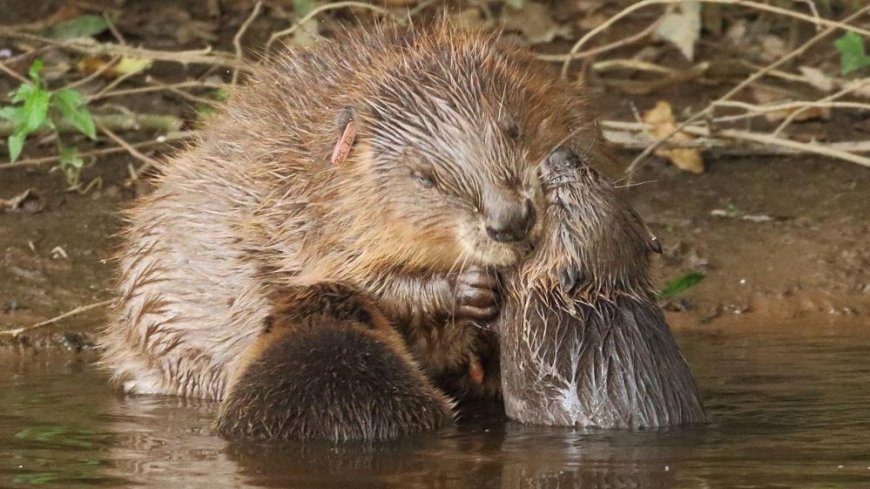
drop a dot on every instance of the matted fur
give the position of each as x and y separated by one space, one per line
254 204
583 342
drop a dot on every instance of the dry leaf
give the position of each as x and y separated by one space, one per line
682 27
772 47
534 21
817 78
661 118
128 65
765 95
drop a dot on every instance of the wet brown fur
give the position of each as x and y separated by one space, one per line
254 206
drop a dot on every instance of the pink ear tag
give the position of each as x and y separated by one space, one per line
342 148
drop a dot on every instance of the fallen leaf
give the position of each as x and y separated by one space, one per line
682 27
534 21
91 64
817 78
772 47
661 118
82 26
129 65
766 95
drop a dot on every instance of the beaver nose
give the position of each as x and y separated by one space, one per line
510 222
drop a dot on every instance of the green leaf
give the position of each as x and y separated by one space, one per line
22 92
16 144
73 107
35 110
35 69
514 4
852 54
81 26
12 114
680 285
303 7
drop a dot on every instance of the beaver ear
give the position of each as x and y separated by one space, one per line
346 115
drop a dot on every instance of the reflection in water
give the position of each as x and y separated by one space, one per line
788 411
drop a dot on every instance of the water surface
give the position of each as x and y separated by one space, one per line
789 408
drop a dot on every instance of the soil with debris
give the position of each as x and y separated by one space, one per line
777 239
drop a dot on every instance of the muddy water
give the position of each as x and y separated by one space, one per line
790 410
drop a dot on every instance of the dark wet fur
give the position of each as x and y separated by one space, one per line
583 342
330 371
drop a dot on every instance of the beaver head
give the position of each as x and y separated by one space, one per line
450 130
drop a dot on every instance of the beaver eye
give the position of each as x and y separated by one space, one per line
512 129
425 181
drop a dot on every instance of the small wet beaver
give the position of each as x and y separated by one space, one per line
583 342
439 188
328 358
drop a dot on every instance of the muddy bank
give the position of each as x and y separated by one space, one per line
776 239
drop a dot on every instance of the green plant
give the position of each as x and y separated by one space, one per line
679 285
852 54
35 108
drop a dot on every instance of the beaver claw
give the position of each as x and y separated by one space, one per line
475 295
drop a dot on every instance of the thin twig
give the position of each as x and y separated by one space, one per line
147 160
635 135
753 110
771 140
315 12
562 58
114 30
162 140
829 100
205 56
237 40
831 24
159 87
114 83
102 69
12 73
17 331
118 122
710 109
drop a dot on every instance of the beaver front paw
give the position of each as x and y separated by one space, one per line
475 295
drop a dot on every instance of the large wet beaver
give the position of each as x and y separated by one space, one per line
439 187
583 342
394 170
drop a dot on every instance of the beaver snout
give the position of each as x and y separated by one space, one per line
509 220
